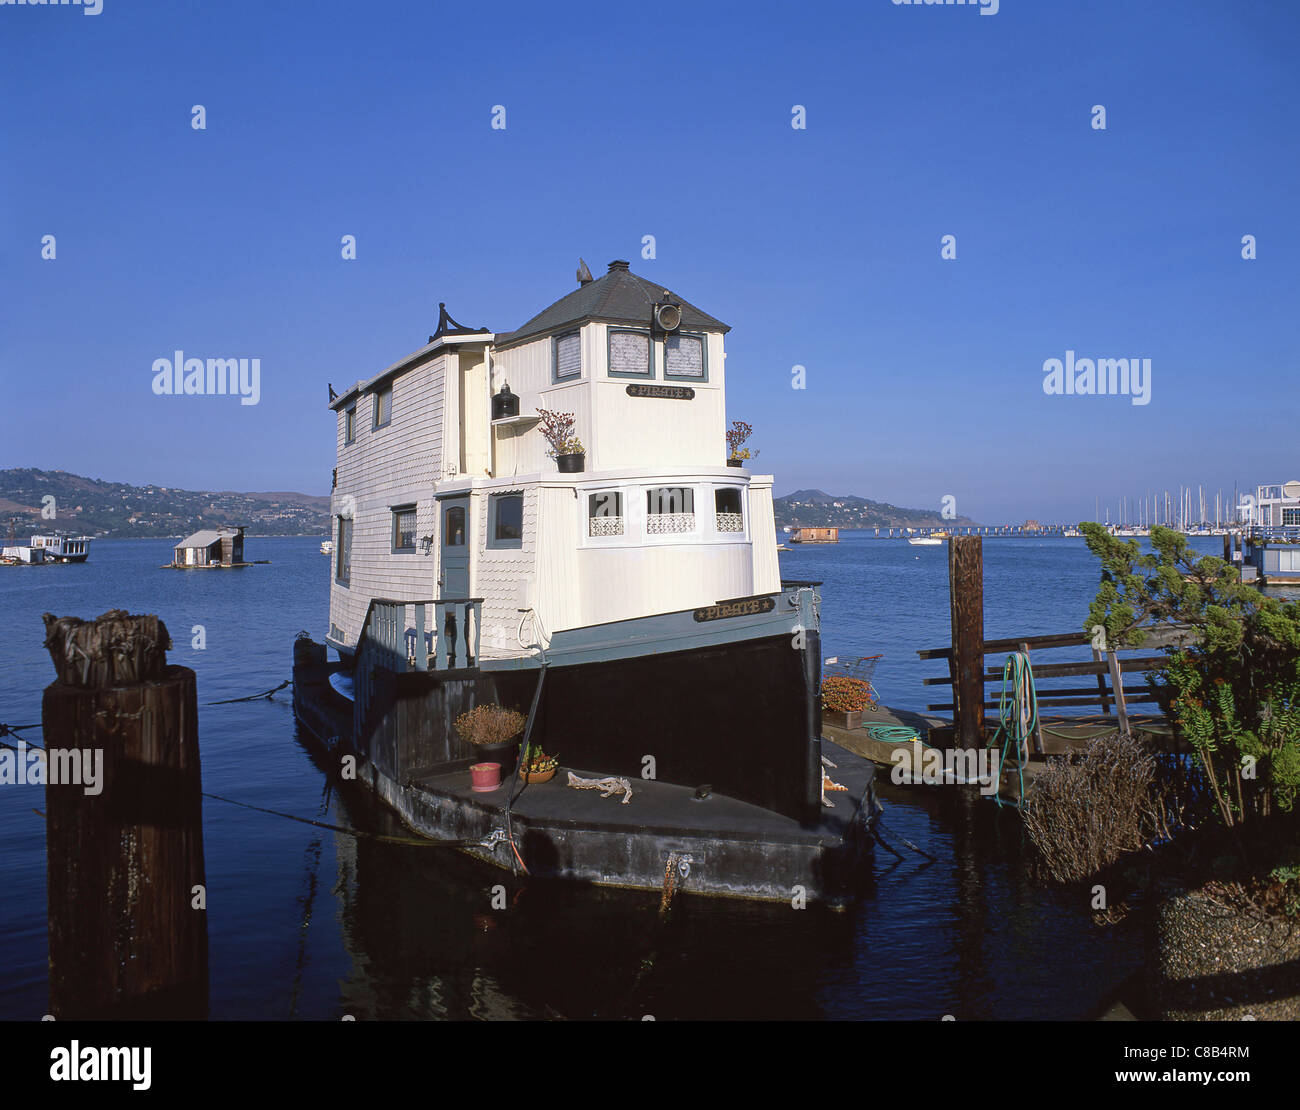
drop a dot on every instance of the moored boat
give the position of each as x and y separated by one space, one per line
61 548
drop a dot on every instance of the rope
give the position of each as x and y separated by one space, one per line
254 697
1017 714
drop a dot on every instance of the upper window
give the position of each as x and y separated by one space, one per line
506 520
349 424
605 513
453 527
404 528
568 357
629 354
1290 516
730 513
670 510
383 406
684 358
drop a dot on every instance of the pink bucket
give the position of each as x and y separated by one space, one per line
486 776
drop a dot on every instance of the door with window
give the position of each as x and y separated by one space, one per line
453 575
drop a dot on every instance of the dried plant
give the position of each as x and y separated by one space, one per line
557 430
1088 809
490 724
737 434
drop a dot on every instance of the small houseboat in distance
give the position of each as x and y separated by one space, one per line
59 548
213 547
815 535
630 605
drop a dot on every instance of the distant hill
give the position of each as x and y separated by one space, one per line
814 508
117 509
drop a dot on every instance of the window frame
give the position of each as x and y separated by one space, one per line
494 503
350 424
555 357
379 395
743 534
649 373
394 533
343 551
671 376
620 494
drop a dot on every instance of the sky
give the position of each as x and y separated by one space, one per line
820 245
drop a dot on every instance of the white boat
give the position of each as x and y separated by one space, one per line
327 547
934 539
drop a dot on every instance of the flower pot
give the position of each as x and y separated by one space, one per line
486 777
735 462
571 464
538 776
844 718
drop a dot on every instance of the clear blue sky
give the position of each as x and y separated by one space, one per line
820 247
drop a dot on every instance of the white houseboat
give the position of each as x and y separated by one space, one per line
632 607
59 548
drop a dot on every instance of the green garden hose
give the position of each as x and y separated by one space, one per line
1017 714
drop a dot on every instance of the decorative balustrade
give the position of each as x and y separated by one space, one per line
605 526
669 524
731 522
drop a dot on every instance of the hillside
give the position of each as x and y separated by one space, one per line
812 508
117 509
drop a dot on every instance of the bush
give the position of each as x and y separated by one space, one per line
1086 810
841 694
490 724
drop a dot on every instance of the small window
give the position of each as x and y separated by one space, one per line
350 424
568 357
629 354
670 510
343 552
1290 517
684 357
605 514
506 520
729 510
404 529
453 531
383 406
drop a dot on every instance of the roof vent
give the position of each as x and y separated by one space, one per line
619 264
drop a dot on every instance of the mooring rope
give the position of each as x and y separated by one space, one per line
254 697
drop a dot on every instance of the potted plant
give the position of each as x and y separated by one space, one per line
538 766
565 447
737 453
493 730
843 700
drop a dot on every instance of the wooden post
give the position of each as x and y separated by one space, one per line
966 592
1117 684
128 934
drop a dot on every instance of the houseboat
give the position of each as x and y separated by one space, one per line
623 592
59 548
815 535
212 547
1272 539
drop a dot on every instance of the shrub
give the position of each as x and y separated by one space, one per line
557 430
490 724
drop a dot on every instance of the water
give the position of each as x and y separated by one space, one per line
310 923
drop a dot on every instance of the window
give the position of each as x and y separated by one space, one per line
670 510
730 513
506 520
1290 516
350 424
629 354
453 530
605 514
343 552
403 529
568 357
684 358
383 406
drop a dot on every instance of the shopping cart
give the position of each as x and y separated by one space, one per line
862 669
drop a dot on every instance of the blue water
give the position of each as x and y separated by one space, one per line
310 923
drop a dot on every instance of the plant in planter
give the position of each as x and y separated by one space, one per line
844 699
538 766
564 446
492 729
737 453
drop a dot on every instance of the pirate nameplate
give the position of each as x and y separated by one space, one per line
743 607
671 392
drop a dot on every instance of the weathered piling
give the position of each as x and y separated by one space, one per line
966 593
128 931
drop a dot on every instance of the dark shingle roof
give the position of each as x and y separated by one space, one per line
619 297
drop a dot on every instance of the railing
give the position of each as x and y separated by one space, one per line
730 522
1275 533
605 526
669 524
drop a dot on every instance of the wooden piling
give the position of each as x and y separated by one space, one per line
127 927
966 592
